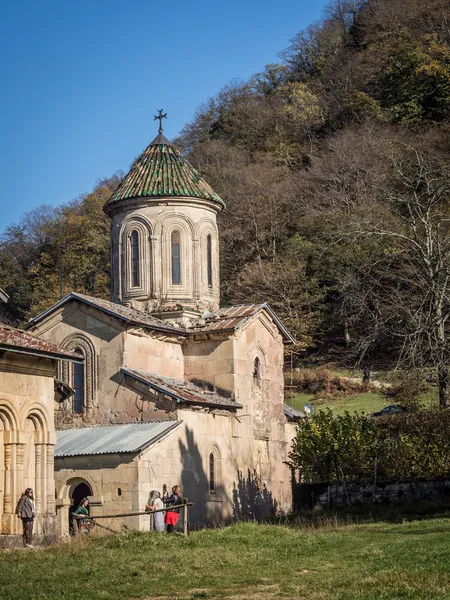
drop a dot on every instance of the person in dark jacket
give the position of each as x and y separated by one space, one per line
171 516
26 511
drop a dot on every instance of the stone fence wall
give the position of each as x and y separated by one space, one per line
394 492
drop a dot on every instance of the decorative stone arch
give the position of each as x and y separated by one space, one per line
139 224
188 286
257 358
41 422
214 471
9 417
207 227
67 488
81 342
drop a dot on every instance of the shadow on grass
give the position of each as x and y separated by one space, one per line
417 511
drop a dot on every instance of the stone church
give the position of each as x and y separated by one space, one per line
173 389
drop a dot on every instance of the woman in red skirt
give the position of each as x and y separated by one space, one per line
171 516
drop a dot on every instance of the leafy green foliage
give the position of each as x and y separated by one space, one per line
359 448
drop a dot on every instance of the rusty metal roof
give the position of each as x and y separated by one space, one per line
179 390
16 340
111 439
233 317
162 172
130 315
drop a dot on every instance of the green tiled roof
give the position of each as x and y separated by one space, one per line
161 171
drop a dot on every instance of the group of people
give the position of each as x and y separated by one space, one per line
167 518
164 521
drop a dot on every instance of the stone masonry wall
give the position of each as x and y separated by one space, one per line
384 493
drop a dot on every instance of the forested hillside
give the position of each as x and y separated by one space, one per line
335 168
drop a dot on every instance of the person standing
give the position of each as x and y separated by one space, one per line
171 517
83 511
155 503
26 511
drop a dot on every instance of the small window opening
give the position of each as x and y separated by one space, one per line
176 258
256 371
78 385
119 491
212 475
135 259
209 259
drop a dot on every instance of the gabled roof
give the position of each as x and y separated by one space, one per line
111 439
179 390
231 318
161 172
124 313
21 342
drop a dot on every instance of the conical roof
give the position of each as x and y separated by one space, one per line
161 171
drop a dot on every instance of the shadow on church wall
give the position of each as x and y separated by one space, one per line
252 500
208 508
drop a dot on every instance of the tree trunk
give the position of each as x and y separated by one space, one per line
444 386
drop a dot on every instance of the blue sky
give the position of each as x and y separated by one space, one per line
82 80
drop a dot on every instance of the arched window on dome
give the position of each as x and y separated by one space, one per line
176 257
78 384
209 259
135 275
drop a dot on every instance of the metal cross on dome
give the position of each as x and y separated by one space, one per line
160 117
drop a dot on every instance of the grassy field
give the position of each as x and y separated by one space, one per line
368 402
372 561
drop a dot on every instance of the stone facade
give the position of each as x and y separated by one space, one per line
250 445
154 289
162 333
27 438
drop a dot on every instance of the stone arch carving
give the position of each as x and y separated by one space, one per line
140 225
9 419
40 419
68 486
207 227
80 342
188 253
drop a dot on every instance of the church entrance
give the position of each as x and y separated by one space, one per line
80 491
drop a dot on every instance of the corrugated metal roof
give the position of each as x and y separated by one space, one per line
293 413
161 171
183 391
111 439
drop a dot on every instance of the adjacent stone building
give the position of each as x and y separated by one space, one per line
163 357
27 432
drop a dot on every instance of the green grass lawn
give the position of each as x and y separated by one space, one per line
372 561
368 402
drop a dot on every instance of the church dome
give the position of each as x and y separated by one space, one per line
162 172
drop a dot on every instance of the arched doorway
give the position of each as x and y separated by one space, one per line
76 494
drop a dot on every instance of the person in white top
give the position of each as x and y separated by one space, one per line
155 503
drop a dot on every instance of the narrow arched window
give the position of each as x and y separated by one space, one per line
176 259
78 385
135 259
209 259
256 371
212 474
